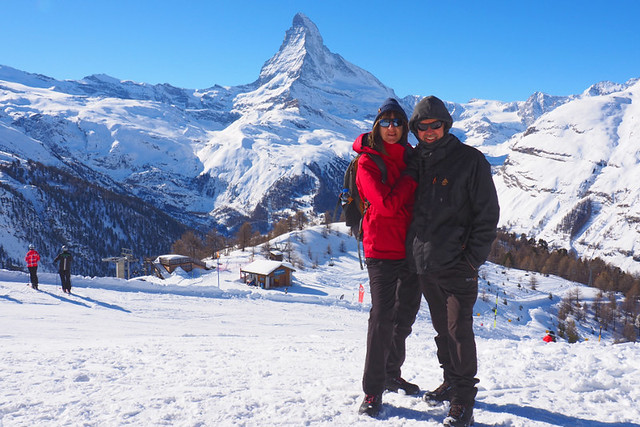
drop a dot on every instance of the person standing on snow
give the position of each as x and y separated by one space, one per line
32 258
395 293
550 337
454 224
65 259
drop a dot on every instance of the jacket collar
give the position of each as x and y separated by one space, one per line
442 146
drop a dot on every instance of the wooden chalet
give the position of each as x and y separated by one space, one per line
167 264
267 273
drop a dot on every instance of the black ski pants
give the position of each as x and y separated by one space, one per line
395 301
65 279
451 295
33 272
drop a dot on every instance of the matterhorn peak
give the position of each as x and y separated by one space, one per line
305 27
304 65
302 43
303 57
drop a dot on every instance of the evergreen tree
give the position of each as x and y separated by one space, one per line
572 332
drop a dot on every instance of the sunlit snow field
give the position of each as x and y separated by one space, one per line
207 350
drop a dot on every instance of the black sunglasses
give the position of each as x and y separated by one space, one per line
385 123
435 125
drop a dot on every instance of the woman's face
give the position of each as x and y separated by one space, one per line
390 133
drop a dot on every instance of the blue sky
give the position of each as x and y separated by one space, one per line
457 50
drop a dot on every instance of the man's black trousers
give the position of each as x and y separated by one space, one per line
451 295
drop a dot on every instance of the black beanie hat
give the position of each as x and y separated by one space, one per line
430 108
389 105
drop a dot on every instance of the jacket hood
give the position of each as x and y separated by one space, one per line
430 107
360 145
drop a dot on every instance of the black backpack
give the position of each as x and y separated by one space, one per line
353 206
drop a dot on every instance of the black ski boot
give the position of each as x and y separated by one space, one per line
439 395
395 384
371 405
459 416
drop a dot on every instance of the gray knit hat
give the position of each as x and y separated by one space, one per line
430 108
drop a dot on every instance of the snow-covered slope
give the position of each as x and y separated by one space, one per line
572 177
206 349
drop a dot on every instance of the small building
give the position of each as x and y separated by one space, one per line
167 264
276 255
267 273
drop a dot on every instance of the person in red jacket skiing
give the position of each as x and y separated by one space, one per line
32 258
395 293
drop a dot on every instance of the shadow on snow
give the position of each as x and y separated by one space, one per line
542 415
64 298
101 304
8 298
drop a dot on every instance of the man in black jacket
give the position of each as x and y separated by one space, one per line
454 224
65 259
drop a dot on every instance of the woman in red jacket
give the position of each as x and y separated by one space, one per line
395 294
32 259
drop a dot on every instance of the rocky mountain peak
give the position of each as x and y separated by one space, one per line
304 73
301 49
304 27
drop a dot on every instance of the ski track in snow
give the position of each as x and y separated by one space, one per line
187 353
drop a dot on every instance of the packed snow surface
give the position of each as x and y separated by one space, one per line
205 349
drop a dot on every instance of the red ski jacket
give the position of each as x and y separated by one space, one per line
32 258
387 218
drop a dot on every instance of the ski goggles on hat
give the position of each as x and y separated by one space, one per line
385 123
435 125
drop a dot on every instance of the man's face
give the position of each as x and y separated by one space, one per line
430 135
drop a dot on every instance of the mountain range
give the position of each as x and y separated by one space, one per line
103 163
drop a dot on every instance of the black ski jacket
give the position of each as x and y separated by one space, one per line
456 207
65 260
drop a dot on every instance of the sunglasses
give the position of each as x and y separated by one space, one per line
385 123
435 125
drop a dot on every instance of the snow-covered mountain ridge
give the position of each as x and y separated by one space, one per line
572 177
221 156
